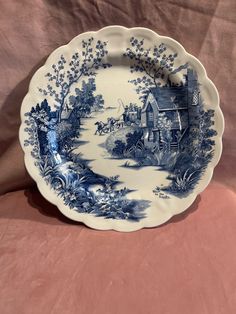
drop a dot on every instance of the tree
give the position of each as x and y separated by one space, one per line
155 65
81 65
98 103
119 148
42 115
66 133
39 121
85 101
205 143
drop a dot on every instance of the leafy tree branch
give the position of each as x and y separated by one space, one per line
154 63
63 77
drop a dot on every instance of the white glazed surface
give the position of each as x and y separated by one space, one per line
118 38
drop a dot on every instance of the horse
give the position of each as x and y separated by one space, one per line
101 127
110 126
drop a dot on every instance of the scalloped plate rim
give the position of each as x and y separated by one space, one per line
89 220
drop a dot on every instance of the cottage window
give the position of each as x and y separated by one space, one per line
150 116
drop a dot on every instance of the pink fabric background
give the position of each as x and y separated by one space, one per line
51 265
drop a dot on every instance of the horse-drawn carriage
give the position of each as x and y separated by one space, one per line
131 116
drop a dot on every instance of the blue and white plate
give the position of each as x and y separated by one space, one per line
121 128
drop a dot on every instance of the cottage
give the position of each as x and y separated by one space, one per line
165 116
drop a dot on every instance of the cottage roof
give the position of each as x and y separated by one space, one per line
170 97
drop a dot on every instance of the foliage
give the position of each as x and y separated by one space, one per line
64 76
154 64
130 145
119 148
113 204
85 101
205 143
187 162
54 134
60 134
195 152
133 147
66 133
133 138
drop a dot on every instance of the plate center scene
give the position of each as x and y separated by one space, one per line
119 137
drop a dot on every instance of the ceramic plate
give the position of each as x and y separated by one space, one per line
121 128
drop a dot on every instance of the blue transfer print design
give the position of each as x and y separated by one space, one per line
171 130
54 134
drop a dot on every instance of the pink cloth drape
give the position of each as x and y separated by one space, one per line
51 265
